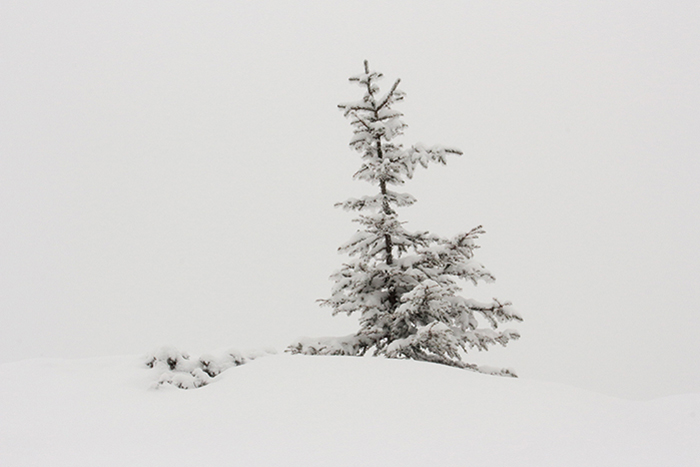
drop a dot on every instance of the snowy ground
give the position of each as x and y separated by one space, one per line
328 411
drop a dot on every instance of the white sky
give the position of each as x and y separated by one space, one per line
168 170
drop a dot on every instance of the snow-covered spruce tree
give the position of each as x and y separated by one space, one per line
403 284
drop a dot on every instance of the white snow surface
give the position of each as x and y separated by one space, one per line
318 411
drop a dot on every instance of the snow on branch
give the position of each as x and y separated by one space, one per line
376 202
346 345
423 156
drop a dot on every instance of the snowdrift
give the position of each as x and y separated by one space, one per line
328 411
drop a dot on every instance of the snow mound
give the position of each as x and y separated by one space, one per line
177 369
294 410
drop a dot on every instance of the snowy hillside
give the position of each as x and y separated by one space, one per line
328 411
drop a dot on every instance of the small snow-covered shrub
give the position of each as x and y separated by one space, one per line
177 369
184 380
169 357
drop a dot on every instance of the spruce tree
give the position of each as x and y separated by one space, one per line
403 285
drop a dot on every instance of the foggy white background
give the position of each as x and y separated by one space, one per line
168 172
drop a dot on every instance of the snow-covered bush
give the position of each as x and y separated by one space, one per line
177 369
404 284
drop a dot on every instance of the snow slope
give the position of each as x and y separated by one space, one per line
328 411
